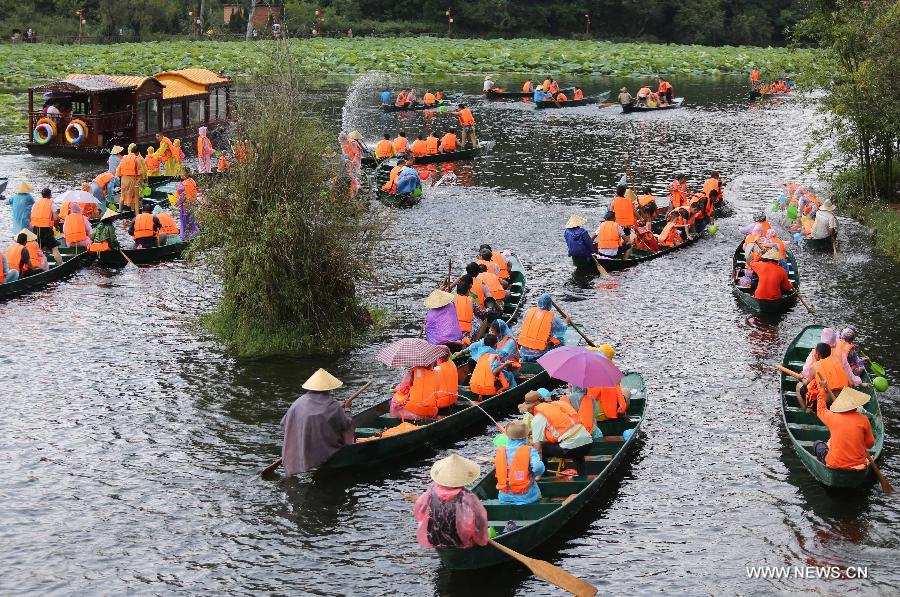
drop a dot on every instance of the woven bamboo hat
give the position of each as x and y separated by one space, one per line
24 187
849 399
322 381
109 213
29 235
827 205
116 149
575 221
355 135
772 254
438 299
455 471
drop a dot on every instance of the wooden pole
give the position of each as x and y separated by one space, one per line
575 327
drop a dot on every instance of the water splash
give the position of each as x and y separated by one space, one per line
360 97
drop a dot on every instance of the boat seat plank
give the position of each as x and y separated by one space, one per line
500 524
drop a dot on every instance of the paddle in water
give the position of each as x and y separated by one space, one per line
131 264
347 404
574 327
550 573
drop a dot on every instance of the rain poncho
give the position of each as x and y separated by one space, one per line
442 325
112 164
315 427
450 517
205 151
558 329
187 221
21 204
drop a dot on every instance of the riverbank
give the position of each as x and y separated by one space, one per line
882 217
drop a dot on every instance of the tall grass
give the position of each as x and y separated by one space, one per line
284 234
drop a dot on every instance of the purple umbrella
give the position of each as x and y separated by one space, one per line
411 352
580 367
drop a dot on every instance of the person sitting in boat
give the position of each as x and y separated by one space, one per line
315 426
652 100
625 98
384 149
849 430
611 239
418 147
847 351
144 228
36 258
492 375
506 347
439 95
828 364
647 206
488 84
554 87
829 337
665 91
448 514
541 330
561 97
390 185
77 228
678 191
43 221
578 95
557 430
16 260
469 313
776 243
401 144
528 86
428 99
408 180
416 396
386 97
448 142
825 224
540 95
518 467
773 279
671 234
612 401
754 79
441 322
745 278
169 234
586 405
402 101
492 266
578 240
492 284
643 95
448 386
496 258
105 234
412 97
432 143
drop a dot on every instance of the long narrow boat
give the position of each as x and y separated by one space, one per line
637 256
724 210
805 428
417 107
561 497
760 94
451 422
544 104
629 108
137 256
380 176
502 95
745 296
433 158
818 244
3 183
71 263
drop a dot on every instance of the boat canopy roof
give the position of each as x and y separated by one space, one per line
174 84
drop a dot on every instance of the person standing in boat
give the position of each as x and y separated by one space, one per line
541 330
315 426
115 156
850 431
578 240
624 97
448 514
43 220
205 151
21 204
518 467
826 224
467 125
130 170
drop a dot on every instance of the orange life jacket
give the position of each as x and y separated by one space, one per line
710 184
490 265
492 281
401 99
624 210
35 255
751 239
484 381
562 97
465 311
645 91
103 179
608 236
669 235
143 226
535 332
478 291
579 95
431 145
646 199
497 258
74 229
585 411
678 194
609 398
423 393
448 378
439 95
99 247
384 149
42 213
754 75
152 163
168 224
401 144
561 419
448 142
128 166
64 210
554 87
419 148
465 117
14 258
515 477
843 349
428 99
832 370
528 87
391 185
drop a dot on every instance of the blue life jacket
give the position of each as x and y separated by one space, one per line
386 98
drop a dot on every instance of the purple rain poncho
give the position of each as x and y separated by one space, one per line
442 325
315 427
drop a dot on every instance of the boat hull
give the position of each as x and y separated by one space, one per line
434 158
71 264
776 306
613 265
818 244
629 108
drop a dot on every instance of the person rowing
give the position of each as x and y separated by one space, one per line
773 279
849 430
447 514
541 330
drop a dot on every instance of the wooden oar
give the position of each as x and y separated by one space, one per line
876 368
885 484
600 269
347 403
834 244
130 262
550 573
575 327
805 304
787 371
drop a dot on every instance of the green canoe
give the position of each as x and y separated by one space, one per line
562 497
452 421
587 266
745 296
380 176
818 244
70 264
805 429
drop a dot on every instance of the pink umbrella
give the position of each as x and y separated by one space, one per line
411 352
580 367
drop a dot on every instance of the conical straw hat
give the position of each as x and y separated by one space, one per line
438 299
827 205
849 399
772 254
322 381
24 187
109 213
116 149
575 221
455 471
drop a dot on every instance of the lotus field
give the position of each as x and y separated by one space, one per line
29 64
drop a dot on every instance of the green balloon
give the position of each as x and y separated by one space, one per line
145 192
713 229
880 383
492 532
500 440
792 211
417 192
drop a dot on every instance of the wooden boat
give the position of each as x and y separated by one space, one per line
760 94
745 296
451 422
381 175
502 95
99 111
824 244
3 183
804 429
544 104
137 256
629 108
417 107
637 256
469 153
561 497
71 263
